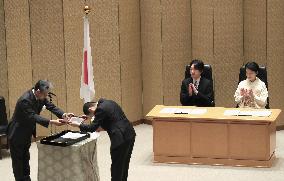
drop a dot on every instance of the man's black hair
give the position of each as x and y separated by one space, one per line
198 64
86 107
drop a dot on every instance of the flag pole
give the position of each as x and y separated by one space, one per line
87 10
87 89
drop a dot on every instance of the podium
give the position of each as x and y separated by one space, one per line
72 163
213 138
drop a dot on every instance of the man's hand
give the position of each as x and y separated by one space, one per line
67 115
57 122
194 89
190 89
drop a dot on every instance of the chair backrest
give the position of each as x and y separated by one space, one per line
262 75
207 73
3 114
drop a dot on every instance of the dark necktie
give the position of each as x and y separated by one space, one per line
195 85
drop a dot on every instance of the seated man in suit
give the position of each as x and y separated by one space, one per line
252 92
23 125
196 90
108 115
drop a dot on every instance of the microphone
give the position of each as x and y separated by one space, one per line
51 94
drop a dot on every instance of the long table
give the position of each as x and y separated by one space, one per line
213 138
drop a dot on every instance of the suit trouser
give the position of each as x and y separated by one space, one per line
120 157
20 161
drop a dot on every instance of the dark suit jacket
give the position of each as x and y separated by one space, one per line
26 115
204 97
111 118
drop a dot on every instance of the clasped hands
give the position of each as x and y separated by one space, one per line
192 89
247 95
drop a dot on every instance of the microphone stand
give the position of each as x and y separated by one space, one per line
51 126
52 131
56 105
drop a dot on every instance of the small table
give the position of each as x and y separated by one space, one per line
72 163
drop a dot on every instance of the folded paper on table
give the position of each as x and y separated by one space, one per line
72 135
257 113
195 111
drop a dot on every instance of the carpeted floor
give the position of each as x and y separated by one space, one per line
142 168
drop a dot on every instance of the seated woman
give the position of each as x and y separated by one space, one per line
252 92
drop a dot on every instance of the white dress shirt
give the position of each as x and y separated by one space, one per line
196 82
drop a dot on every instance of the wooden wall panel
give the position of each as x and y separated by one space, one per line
152 66
202 30
275 54
130 58
105 49
18 49
176 47
47 43
255 31
4 86
228 49
73 33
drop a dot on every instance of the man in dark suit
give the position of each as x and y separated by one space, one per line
108 115
23 126
196 90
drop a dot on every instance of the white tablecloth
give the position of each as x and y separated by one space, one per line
71 163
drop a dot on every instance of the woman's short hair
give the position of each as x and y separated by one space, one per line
252 66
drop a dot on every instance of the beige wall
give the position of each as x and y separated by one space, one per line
223 33
166 49
44 40
139 48
3 58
